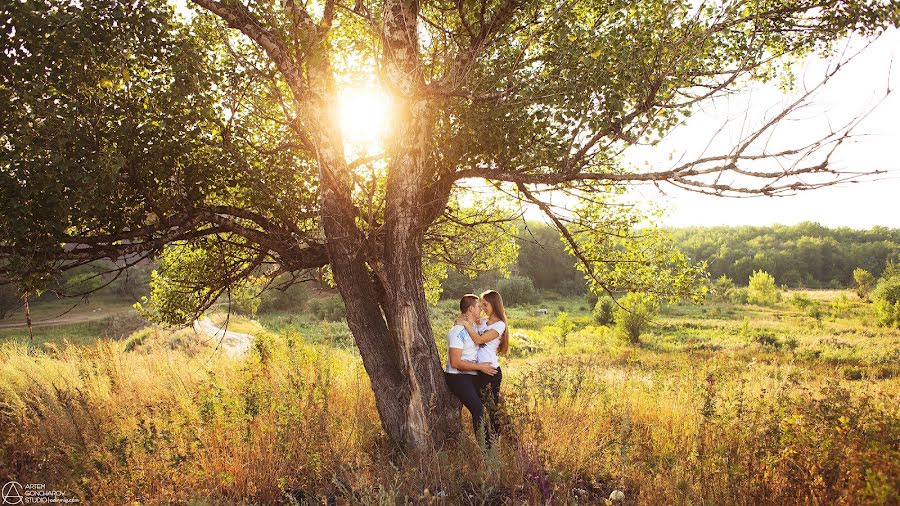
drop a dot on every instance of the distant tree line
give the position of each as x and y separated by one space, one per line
807 255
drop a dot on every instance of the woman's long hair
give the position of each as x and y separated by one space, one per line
497 305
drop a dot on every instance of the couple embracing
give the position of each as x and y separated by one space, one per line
473 369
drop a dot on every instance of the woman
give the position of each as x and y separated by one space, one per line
463 370
492 335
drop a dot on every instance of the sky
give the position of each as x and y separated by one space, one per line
857 87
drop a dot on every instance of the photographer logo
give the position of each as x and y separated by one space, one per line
12 493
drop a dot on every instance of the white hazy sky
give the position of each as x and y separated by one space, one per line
858 205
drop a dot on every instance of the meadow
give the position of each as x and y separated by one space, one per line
718 404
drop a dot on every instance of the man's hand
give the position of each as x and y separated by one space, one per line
487 369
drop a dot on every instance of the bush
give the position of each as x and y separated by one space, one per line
762 290
738 295
815 310
603 310
865 282
565 325
721 287
328 308
517 290
767 339
841 308
122 325
801 301
887 301
83 282
245 299
524 345
9 300
634 313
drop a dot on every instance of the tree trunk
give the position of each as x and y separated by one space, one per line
389 319
388 315
429 419
416 409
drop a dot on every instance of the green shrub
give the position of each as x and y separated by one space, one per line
887 300
738 295
721 287
815 310
245 299
801 301
328 308
762 290
767 339
83 282
865 282
523 344
603 310
853 373
122 325
9 300
565 325
840 307
517 290
634 314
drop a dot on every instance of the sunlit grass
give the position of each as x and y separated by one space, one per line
719 404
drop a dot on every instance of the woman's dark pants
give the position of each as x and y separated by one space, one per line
489 392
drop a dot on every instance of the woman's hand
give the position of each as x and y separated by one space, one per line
461 320
487 368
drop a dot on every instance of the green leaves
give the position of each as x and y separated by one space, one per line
192 276
475 235
619 251
108 112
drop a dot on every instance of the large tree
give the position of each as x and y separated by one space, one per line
124 129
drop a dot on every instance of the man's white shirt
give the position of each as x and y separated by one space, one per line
458 337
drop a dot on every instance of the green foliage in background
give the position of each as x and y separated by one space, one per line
804 255
543 259
721 287
328 308
9 300
193 275
886 299
865 282
517 290
620 253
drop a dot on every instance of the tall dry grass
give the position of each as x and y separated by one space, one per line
170 423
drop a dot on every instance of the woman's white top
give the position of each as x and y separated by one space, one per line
487 352
458 337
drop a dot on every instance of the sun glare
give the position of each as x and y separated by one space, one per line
364 114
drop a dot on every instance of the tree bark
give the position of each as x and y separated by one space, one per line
431 413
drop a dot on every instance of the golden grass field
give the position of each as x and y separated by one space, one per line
719 404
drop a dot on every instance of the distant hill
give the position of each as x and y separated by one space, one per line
807 255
